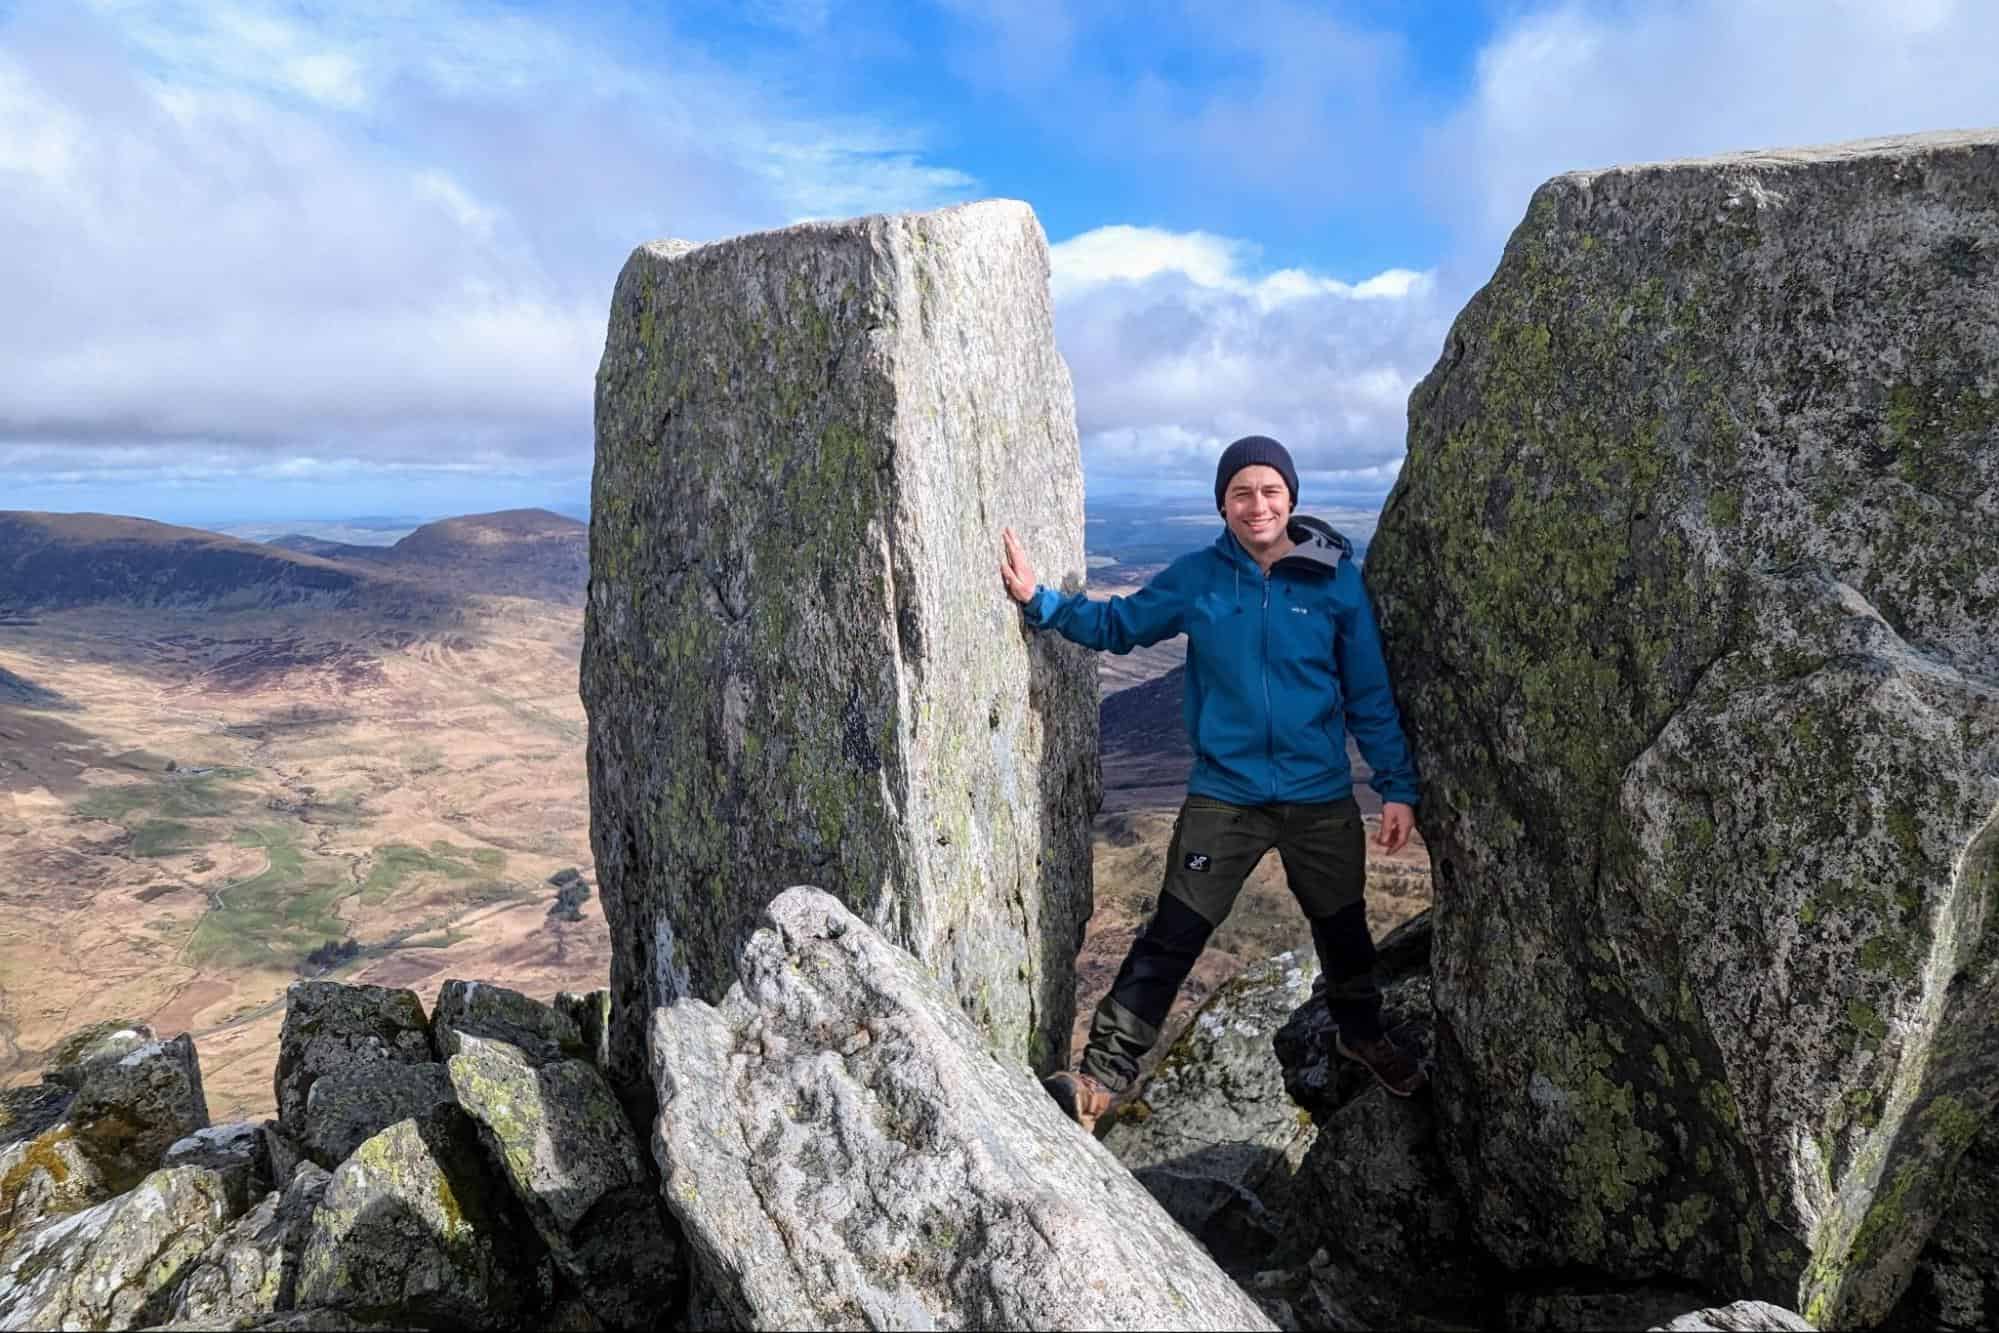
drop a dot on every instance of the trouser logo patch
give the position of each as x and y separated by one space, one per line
1197 861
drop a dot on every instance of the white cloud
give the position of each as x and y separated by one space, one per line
1582 86
369 231
1177 346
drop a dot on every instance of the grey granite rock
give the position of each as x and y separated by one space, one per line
251 1270
349 1106
332 1026
235 1151
47 1176
282 1153
112 1266
590 1011
843 1150
1956 1286
799 663
71 1060
1213 1134
1690 586
27 1111
1741 1317
412 1223
562 1140
539 1031
132 1109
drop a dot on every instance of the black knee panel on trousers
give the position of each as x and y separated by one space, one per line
1160 959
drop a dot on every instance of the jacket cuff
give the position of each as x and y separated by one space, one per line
1038 608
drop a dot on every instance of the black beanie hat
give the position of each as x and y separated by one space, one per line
1249 451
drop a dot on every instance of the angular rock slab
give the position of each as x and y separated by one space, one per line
46 1176
251 1270
540 1032
1740 1317
412 1223
349 1106
73 1058
798 663
332 1026
1213 1134
1690 586
562 1140
132 1109
112 1266
843 1150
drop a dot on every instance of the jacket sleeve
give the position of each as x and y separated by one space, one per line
1114 624
1371 715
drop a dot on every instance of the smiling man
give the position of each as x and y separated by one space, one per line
1283 661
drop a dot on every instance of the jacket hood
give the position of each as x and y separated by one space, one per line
1317 547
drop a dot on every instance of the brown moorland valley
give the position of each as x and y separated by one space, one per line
225 765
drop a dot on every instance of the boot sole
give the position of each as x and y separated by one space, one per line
1422 1080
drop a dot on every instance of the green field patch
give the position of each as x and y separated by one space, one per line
396 862
190 793
164 837
278 916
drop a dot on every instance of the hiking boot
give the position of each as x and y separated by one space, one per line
1391 1066
1081 1097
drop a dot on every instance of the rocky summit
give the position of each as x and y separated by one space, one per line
1691 588
798 664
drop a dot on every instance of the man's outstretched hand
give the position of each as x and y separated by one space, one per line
1397 822
1015 572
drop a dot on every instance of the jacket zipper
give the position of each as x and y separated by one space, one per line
1269 736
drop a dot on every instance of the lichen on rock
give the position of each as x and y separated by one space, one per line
1690 586
798 661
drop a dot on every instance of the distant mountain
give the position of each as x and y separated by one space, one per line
513 552
51 561
328 550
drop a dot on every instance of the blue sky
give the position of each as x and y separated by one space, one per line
309 260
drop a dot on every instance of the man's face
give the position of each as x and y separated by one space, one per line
1257 505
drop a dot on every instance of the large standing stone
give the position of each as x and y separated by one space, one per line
1691 588
799 662
543 1033
844 1151
349 1106
331 1026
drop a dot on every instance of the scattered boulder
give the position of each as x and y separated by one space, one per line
349 1106
481 1009
72 1059
410 1223
234 1151
251 1270
113 1266
797 663
562 1140
332 1026
1741 1317
132 1109
571 892
844 1150
1690 586
1213 1134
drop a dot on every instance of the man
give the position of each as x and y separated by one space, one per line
1283 659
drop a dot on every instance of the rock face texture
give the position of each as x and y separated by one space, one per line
331 1026
798 661
844 1151
1691 588
1213 1135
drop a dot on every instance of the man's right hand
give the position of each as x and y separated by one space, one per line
1015 572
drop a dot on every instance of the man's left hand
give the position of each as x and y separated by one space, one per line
1397 822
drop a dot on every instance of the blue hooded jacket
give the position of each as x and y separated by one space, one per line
1278 669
